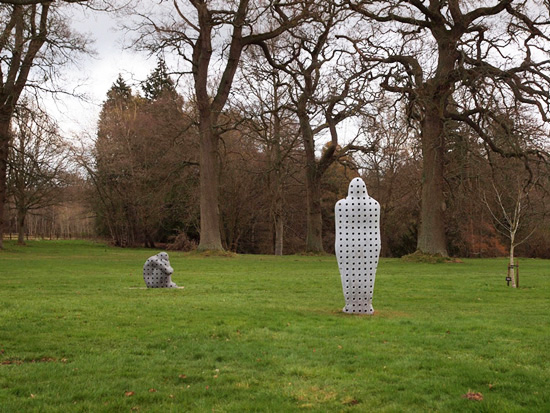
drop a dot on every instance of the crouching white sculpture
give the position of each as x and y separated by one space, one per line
157 272
357 246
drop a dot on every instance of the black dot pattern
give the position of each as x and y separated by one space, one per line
357 246
157 272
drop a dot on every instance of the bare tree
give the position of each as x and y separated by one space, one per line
34 41
326 86
135 169
210 37
392 176
263 100
36 164
431 51
513 202
509 215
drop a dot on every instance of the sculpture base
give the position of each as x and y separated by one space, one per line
171 285
359 309
150 288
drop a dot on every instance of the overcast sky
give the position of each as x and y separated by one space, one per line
95 75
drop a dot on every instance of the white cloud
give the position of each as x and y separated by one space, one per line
95 75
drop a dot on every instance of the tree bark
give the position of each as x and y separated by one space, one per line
277 201
209 111
209 186
511 268
4 148
435 95
279 231
21 215
314 236
431 234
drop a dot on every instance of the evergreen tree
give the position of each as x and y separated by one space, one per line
119 90
158 83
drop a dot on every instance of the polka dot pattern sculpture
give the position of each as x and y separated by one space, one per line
157 272
357 246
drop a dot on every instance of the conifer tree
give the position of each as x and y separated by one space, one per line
158 83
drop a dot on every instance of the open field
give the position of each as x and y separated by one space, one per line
263 333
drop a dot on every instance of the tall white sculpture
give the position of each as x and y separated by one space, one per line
357 246
157 272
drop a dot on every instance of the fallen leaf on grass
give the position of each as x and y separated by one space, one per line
473 396
44 360
182 376
129 393
6 362
152 390
32 396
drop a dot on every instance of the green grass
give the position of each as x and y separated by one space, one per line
262 333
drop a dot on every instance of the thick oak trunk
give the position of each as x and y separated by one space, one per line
431 234
209 187
314 221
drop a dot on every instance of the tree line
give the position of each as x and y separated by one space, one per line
447 103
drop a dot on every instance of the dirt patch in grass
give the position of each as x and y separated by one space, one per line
377 314
41 360
473 396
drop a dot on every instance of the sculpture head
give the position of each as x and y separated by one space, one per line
357 189
163 256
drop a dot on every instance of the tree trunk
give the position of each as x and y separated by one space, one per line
279 229
277 202
314 239
314 232
210 237
277 211
21 215
4 148
511 268
431 234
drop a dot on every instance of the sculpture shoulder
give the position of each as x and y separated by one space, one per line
342 203
374 202
154 260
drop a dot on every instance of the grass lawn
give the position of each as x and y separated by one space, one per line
263 333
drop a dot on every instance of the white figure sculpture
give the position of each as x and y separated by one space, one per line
357 246
157 272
